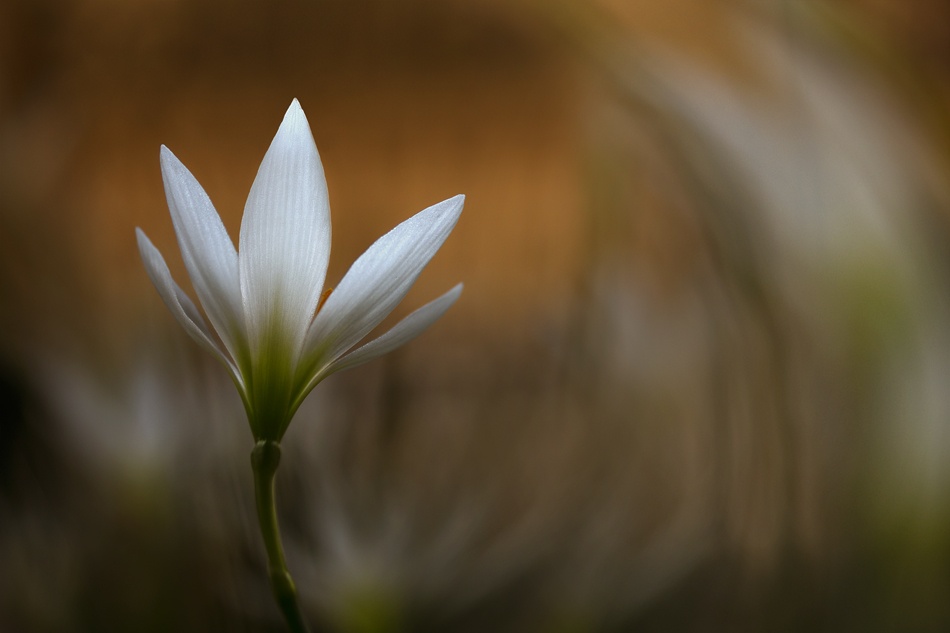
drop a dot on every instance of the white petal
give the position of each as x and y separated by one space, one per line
401 333
178 302
207 251
285 235
378 281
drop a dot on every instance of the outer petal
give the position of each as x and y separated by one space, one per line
178 302
207 251
378 281
285 236
401 333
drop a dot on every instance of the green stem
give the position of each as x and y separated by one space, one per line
264 459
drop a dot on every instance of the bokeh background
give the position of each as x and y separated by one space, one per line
697 381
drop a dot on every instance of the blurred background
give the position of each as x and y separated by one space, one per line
697 381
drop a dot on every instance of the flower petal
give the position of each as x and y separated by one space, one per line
378 281
285 236
181 306
401 333
207 251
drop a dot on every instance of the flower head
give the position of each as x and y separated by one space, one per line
274 334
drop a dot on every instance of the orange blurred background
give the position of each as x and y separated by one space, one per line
696 380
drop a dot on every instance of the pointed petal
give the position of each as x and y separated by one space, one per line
285 235
178 302
401 333
377 281
207 251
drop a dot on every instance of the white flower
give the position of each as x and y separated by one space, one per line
261 301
